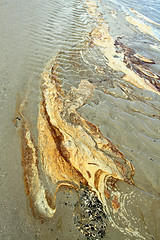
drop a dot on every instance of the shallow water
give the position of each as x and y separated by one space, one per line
31 34
150 9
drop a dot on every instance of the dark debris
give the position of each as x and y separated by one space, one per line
89 215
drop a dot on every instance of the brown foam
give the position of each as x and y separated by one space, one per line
73 152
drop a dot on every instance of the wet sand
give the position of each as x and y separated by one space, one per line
126 115
21 65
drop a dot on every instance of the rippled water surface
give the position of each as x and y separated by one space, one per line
33 32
